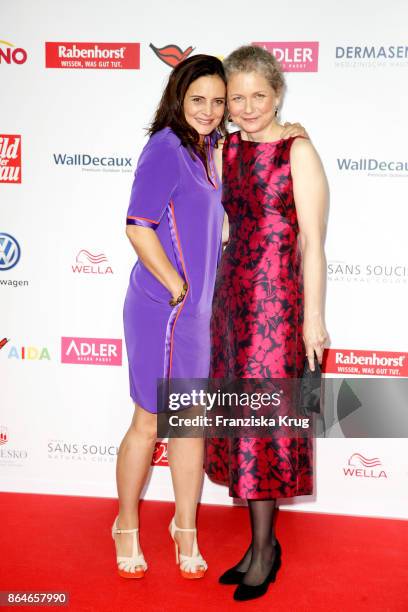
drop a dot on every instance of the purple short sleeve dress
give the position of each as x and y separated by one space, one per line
173 195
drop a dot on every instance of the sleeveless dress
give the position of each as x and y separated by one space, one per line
256 326
173 195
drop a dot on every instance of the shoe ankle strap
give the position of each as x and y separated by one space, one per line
182 528
116 530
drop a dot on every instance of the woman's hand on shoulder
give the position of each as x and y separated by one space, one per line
293 129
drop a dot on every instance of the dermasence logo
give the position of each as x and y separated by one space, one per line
371 56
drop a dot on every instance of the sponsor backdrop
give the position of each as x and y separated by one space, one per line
80 82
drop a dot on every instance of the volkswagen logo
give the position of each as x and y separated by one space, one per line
9 251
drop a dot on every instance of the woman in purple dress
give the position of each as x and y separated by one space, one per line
264 325
174 222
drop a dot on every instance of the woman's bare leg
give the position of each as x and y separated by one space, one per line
186 457
132 468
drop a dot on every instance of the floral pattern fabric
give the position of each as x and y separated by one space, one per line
256 326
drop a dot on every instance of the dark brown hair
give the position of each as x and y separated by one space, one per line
170 111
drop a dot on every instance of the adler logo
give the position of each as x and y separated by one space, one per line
160 454
102 56
10 54
96 351
294 56
365 363
359 466
10 158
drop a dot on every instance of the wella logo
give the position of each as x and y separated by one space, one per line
87 263
10 158
361 467
294 56
160 454
29 353
93 351
10 54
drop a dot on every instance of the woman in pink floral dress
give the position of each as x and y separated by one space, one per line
268 306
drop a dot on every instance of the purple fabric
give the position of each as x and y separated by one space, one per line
162 341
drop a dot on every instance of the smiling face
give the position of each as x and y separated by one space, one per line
204 104
252 104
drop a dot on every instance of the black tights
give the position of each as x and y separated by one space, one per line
258 559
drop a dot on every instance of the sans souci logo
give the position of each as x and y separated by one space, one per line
93 163
359 466
89 263
365 363
171 54
83 55
9 252
339 271
160 454
11 54
372 166
371 56
93 351
10 158
10 456
294 56
61 450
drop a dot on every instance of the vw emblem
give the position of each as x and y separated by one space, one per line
9 251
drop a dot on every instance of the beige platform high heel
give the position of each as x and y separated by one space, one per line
134 566
190 567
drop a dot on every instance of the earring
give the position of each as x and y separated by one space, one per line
276 110
229 119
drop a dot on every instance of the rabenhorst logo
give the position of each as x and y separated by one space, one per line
81 451
11 54
362 273
294 56
371 56
102 56
88 263
359 466
29 353
160 454
3 435
10 158
96 351
365 363
94 163
372 166
171 54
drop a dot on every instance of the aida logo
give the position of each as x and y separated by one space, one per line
294 56
10 158
365 363
10 54
89 263
29 353
359 466
160 454
171 54
91 351
3 435
102 56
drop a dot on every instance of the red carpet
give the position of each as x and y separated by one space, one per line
330 563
